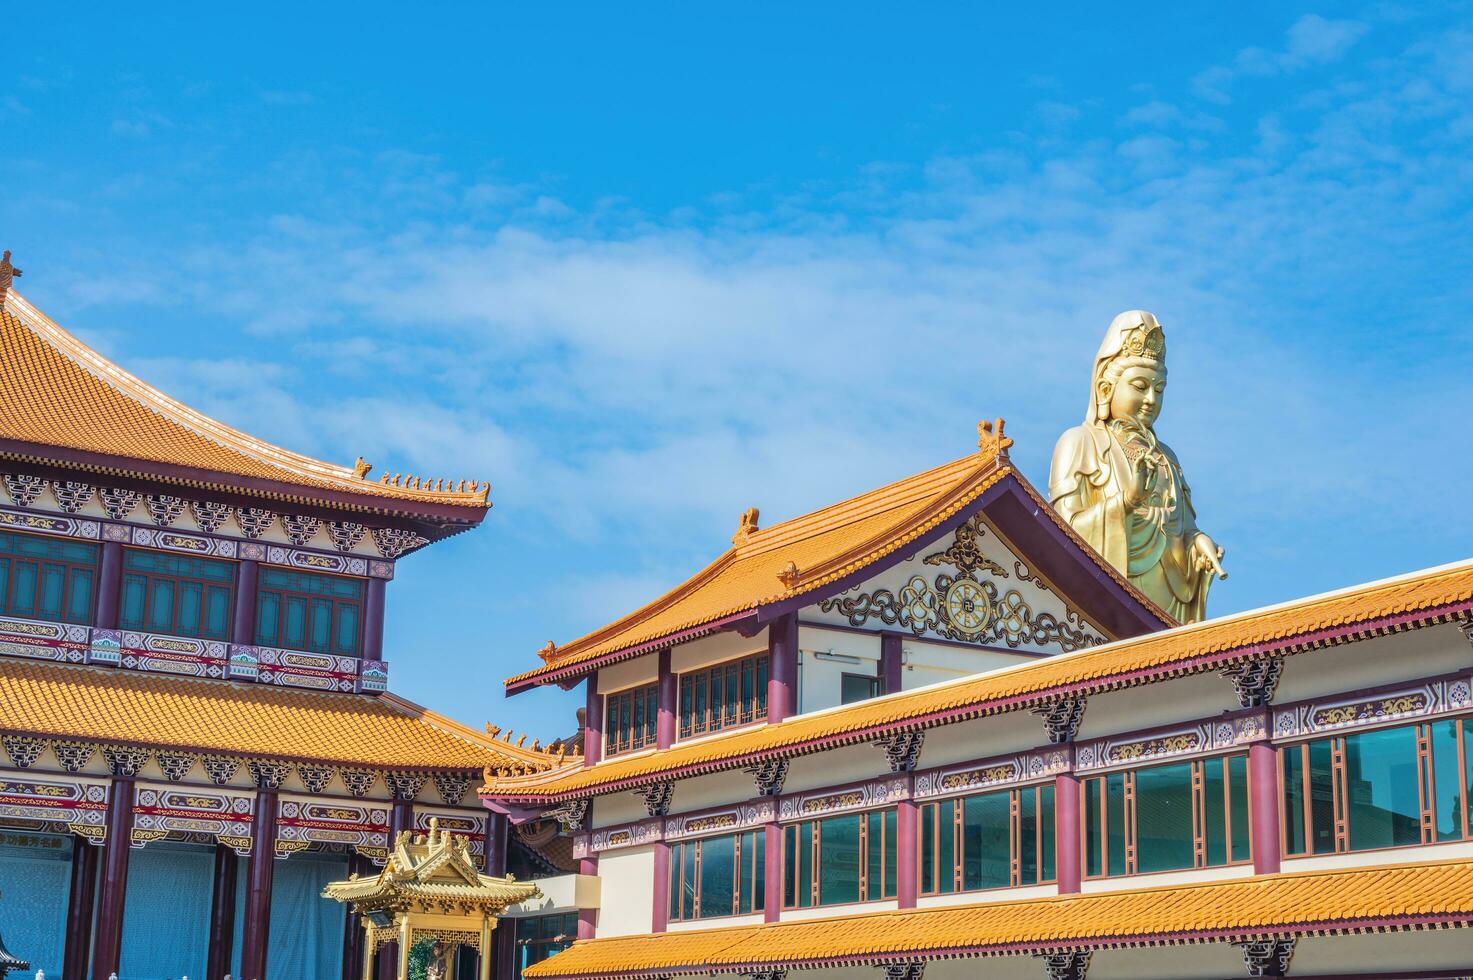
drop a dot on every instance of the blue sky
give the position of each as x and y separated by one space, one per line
645 265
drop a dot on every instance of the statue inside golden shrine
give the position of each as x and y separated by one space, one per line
1122 489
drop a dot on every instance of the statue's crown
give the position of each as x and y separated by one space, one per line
1146 341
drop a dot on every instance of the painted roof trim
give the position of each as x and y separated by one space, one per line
1404 896
1411 601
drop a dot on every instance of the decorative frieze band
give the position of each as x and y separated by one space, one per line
1422 701
625 835
225 815
1120 752
726 821
300 823
877 792
77 805
998 773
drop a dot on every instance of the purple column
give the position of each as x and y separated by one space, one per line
222 914
661 918
257 926
497 828
109 585
243 633
1263 801
107 945
891 646
782 674
772 871
593 724
588 918
353 948
1067 836
907 853
373 620
79 911
665 724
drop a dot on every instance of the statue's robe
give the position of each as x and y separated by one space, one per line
1138 515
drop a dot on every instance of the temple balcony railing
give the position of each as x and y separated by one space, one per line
184 656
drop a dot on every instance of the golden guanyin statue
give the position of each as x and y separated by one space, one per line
1122 489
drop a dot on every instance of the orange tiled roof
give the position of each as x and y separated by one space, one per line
825 546
1091 669
1320 901
102 704
60 392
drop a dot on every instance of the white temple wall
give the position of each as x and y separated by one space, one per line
987 897
836 911
849 764
630 673
617 808
980 738
714 649
715 789
628 892
722 923
1426 853
1168 702
1165 879
1375 662
931 663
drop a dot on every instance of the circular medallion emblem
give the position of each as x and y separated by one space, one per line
968 608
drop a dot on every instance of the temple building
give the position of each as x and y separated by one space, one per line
960 727
198 730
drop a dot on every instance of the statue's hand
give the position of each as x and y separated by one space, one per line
1207 556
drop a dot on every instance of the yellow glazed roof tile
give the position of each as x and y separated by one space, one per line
60 392
822 546
1305 901
1092 668
104 704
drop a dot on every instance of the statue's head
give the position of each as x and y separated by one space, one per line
1130 371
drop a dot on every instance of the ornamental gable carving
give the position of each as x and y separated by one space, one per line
969 588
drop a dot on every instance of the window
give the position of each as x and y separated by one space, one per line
1165 818
717 876
723 696
991 840
307 611
177 594
858 687
47 578
543 936
630 717
1392 787
839 860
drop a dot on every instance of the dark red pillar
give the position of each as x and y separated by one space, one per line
243 632
593 724
80 898
373 621
772 871
891 660
498 833
222 914
504 944
660 920
353 946
782 673
107 947
109 585
907 853
665 722
1263 803
257 928
1067 835
587 918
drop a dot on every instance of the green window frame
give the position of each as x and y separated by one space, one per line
1399 786
542 936
1001 839
1171 817
179 595
727 695
840 860
631 719
51 579
717 876
310 611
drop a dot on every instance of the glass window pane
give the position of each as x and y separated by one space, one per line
53 589
838 881
790 866
79 596
1468 773
267 609
1027 836
986 839
1046 819
1094 819
5 585
191 595
135 589
345 640
1321 797
161 605
927 818
875 854
1381 788
1163 817
1447 796
217 614
1115 822
1291 760
321 625
759 870
805 864
718 885
24 601
946 847
1214 802
891 851
858 687
688 881
1241 843
294 631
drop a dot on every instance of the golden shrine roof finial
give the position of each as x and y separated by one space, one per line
746 526
8 273
790 576
361 467
548 652
990 439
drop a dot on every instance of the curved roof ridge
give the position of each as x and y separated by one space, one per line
272 461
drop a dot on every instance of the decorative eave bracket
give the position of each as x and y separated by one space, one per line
769 776
902 750
1062 717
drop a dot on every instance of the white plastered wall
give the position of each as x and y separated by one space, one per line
628 892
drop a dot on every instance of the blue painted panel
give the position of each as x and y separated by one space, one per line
166 918
35 877
306 939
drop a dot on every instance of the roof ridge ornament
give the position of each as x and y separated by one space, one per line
8 273
990 440
746 527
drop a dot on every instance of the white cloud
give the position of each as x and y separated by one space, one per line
1311 41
